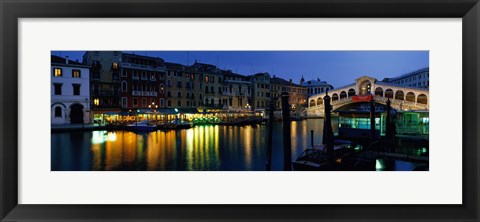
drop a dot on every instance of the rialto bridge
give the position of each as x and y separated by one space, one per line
402 98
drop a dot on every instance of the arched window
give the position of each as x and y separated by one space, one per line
399 95
351 92
312 102
319 101
124 86
379 91
334 97
422 98
58 111
389 93
343 95
410 97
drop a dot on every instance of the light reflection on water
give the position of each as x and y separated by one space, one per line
198 148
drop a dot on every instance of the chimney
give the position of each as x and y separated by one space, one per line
318 79
290 81
66 59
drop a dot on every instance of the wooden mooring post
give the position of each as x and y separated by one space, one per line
287 150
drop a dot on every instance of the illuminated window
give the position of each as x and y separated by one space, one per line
75 73
58 111
57 72
115 65
96 102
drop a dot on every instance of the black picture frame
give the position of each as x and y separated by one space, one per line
11 11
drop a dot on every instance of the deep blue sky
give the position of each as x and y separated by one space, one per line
338 68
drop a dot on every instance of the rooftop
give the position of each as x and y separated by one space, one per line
407 75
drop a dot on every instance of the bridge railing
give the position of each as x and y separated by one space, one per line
403 104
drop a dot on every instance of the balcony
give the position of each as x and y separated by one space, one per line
144 93
144 78
142 67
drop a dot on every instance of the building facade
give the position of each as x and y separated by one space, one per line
124 81
237 91
297 93
142 81
315 86
105 78
210 85
417 79
70 92
261 90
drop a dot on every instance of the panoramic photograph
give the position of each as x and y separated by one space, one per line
239 110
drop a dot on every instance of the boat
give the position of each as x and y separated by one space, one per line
315 158
141 126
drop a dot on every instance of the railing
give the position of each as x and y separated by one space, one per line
143 93
143 67
394 102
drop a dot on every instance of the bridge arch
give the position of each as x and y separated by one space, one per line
351 92
319 101
365 87
422 98
389 93
334 97
379 91
312 102
343 95
399 95
410 97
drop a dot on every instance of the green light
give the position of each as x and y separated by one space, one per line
357 148
379 165
424 150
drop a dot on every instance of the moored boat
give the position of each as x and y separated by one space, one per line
141 126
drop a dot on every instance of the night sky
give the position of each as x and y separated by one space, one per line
338 68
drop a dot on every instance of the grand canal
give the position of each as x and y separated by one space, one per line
210 147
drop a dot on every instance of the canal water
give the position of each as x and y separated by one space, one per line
224 148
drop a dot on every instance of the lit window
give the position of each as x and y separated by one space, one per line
115 65
57 72
75 73
96 102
